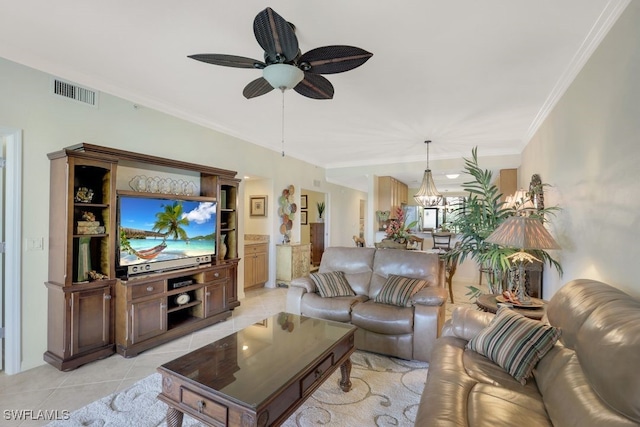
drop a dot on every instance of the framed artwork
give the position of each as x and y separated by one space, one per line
303 217
303 201
258 205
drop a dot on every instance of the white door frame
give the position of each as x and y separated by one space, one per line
13 250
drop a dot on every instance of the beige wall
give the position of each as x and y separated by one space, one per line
50 123
588 149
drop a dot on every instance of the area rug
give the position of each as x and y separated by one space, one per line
385 392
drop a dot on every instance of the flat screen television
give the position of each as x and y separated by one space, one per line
161 232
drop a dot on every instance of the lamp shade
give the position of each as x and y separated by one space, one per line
523 232
282 76
428 195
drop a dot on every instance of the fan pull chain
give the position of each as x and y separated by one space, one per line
282 122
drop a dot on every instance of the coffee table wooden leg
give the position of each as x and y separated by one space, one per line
174 417
345 370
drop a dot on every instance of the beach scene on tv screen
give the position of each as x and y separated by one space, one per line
153 229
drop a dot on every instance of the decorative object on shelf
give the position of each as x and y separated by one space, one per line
84 259
428 195
89 225
94 275
303 202
223 246
84 195
523 233
182 299
155 184
286 211
321 207
258 205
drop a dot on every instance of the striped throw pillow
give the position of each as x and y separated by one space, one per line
514 342
398 290
332 284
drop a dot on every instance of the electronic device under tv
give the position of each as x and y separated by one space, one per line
161 232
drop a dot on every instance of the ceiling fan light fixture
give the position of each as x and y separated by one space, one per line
428 195
282 76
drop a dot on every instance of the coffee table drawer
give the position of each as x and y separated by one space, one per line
317 374
204 406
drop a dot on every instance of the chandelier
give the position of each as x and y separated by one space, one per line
428 195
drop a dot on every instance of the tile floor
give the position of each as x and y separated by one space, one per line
44 388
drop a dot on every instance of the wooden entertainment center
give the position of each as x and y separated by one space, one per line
94 309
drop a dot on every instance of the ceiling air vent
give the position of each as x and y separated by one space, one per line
74 92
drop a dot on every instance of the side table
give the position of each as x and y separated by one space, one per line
488 302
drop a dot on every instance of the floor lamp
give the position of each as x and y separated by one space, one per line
523 233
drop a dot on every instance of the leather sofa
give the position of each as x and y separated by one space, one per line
404 332
589 377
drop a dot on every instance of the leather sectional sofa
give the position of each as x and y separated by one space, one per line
589 378
406 332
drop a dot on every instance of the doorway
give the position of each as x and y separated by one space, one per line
11 214
313 228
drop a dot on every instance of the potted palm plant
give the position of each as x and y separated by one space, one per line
320 206
481 212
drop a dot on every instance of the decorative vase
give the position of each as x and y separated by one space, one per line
223 247
84 259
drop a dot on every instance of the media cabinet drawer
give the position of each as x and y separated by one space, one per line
149 288
317 374
204 406
218 274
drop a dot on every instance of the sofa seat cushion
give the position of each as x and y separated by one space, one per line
383 318
336 308
465 388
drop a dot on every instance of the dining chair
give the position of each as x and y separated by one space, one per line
441 241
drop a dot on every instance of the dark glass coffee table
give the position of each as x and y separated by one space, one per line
260 375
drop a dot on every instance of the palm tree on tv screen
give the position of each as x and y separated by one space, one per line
170 222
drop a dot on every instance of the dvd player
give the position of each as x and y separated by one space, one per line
171 264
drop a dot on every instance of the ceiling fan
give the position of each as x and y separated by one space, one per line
284 66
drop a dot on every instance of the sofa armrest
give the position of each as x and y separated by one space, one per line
304 282
466 323
431 295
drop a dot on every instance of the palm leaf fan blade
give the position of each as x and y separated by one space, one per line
276 36
315 86
334 59
228 60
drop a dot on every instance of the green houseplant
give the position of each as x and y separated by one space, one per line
320 206
481 212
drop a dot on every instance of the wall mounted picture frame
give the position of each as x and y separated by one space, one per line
303 201
258 205
303 218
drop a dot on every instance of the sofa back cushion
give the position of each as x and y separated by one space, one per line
601 324
356 263
412 264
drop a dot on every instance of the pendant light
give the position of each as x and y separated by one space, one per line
428 195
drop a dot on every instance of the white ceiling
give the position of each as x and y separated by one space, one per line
462 73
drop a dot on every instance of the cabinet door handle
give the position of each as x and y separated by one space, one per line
163 306
216 274
107 297
208 294
318 373
149 288
201 406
